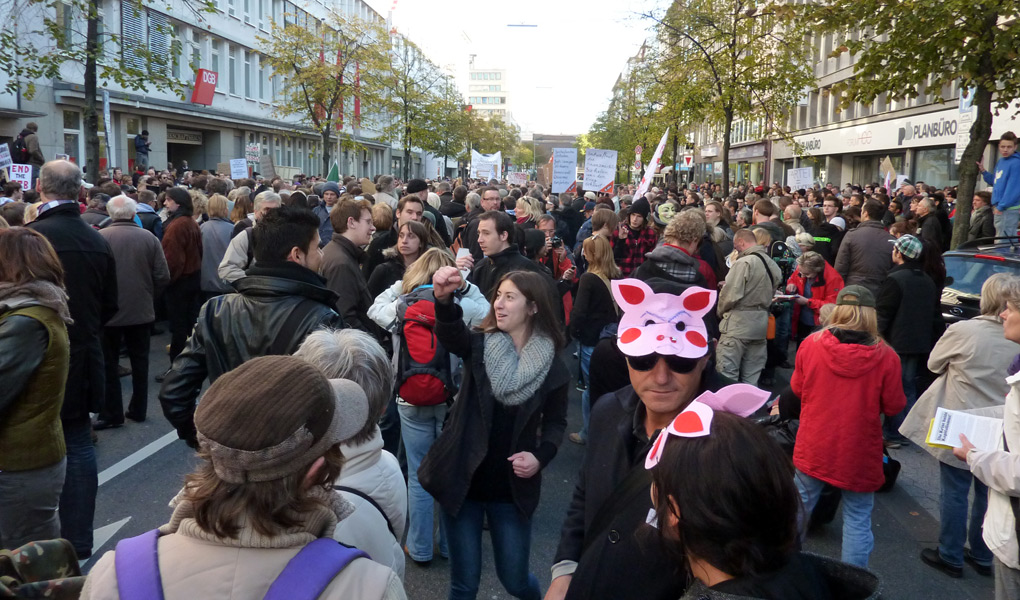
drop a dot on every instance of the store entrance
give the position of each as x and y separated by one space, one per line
200 149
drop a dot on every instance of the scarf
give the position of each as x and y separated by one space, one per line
515 378
35 293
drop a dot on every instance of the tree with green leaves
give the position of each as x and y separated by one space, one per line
905 48
44 37
324 69
448 121
722 60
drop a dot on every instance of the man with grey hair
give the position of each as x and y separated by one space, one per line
90 277
240 255
928 227
141 274
372 479
384 192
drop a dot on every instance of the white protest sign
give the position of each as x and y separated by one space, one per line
653 166
800 179
23 175
486 166
5 156
599 170
564 175
517 178
252 152
238 168
964 122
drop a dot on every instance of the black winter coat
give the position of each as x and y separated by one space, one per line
909 310
450 464
487 273
90 277
234 328
626 559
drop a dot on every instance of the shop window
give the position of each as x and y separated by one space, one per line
936 166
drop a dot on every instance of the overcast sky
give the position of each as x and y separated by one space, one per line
560 74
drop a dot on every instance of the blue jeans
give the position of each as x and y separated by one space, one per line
955 484
584 353
1006 223
511 546
419 428
858 540
81 482
910 366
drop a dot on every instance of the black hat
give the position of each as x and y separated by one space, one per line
641 207
145 132
416 185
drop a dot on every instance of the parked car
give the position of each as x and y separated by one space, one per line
967 268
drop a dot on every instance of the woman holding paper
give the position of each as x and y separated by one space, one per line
970 360
1000 471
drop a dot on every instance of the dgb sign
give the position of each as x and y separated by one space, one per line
205 87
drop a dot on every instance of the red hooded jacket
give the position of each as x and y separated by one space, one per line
843 390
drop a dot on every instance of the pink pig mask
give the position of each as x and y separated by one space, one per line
664 324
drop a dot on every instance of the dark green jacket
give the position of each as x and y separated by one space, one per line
34 355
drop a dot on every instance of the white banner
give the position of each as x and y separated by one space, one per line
238 168
564 175
800 179
652 167
486 166
599 170
23 175
517 178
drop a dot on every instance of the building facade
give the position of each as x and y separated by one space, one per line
489 92
225 42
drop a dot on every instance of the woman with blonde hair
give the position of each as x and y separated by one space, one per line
421 425
840 437
969 359
242 208
593 309
527 212
215 239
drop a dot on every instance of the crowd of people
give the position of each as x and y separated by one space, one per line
388 368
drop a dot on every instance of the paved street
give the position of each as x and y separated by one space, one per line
142 466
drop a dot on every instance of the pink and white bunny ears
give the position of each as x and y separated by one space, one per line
696 420
662 323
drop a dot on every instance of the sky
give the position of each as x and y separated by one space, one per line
560 73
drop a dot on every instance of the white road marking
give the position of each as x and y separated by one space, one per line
136 457
102 535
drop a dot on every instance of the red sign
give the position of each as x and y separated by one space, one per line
205 85
638 149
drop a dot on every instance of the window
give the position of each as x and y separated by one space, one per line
936 166
247 10
230 8
214 55
175 60
231 70
196 50
499 76
263 81
132 36
159 39
65 21
247 74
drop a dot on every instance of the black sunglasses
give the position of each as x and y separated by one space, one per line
677 364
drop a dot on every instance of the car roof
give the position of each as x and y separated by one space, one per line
1008 249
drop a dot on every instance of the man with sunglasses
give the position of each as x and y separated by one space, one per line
606 549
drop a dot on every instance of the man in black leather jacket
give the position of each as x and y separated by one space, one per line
278 303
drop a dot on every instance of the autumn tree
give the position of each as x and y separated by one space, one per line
44 38
743 53
412 99
904 49
448 121
324 68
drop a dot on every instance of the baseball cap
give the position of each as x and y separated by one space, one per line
590 196
855 295
839 222
589 205
909 246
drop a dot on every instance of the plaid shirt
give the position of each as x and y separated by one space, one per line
630 252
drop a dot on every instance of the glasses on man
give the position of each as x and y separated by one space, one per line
677 364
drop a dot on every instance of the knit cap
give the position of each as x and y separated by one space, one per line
275 415
909 246
416 185
641 207
330 186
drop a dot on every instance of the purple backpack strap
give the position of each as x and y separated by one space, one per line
308 574
137 565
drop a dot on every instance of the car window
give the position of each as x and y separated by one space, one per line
970 273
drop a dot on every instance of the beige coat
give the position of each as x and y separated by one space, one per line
1000 471
745 299
971 360
194 564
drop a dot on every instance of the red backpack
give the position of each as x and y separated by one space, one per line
423 365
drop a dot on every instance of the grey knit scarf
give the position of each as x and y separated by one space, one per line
35 293
515 378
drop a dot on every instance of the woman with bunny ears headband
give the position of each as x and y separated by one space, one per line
731 548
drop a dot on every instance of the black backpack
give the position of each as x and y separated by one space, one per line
19 150
423 365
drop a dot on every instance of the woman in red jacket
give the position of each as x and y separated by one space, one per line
182 245
846 378
816 284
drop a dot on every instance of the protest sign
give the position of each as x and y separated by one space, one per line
266 167
238 168
564 172
23 175
251 152
517 178
5 156
599 170
486 166
800 179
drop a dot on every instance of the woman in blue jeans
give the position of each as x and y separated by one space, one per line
593 309
489 457
420 425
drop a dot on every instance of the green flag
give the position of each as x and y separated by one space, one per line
334 174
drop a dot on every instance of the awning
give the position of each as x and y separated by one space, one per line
13 113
